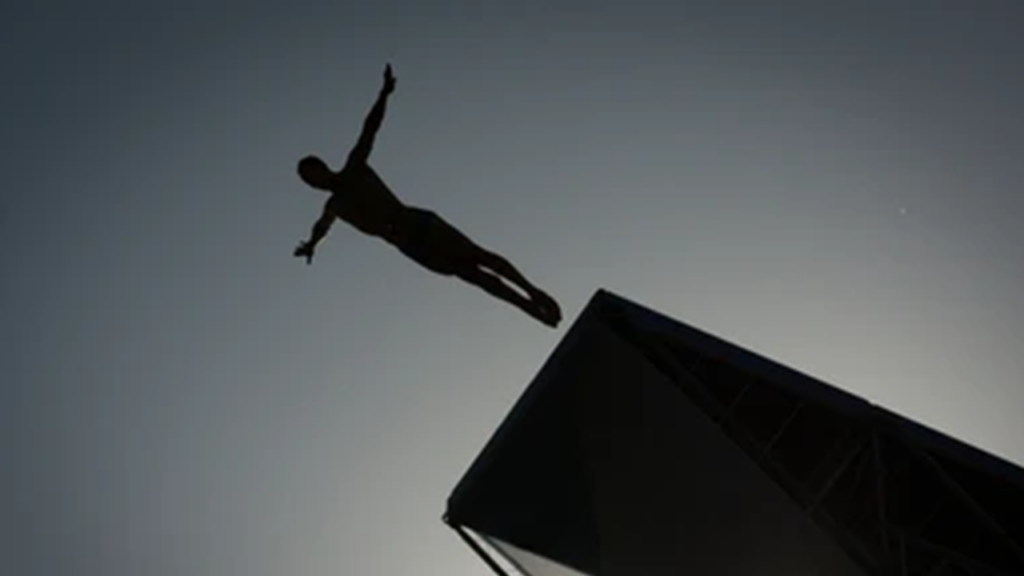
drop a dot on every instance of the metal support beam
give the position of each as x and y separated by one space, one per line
675 371
840 470
475 546
731 408
971 504
958 558
767 448
897 545
939 567
876 450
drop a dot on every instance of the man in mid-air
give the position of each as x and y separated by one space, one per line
361 198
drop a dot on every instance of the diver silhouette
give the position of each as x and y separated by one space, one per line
361 198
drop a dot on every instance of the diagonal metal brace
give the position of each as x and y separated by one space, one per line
971 504
475 546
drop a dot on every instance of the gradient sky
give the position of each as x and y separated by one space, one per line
836 186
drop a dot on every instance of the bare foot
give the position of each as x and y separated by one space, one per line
540 313
547 318
547 305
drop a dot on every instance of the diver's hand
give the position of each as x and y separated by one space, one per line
389 80
304 249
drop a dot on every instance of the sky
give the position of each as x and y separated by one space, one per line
832 185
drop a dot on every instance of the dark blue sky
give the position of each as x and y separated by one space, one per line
834 186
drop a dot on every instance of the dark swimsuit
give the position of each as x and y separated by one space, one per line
421 237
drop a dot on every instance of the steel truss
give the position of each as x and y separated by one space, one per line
891 504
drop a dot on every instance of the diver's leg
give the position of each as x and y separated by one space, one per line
495 287
501 266
448 251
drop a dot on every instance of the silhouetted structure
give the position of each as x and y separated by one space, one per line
645 447
360 197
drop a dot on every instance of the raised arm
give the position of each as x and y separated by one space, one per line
361 152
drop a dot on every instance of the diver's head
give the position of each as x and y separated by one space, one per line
315 172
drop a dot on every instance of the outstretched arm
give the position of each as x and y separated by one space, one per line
320 229
361 152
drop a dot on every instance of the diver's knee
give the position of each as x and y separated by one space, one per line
491 260
474 275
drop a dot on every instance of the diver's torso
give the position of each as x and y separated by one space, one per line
361 198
